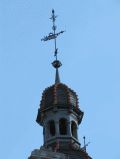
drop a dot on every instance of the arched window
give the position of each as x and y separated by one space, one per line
74 129
52 128
63 126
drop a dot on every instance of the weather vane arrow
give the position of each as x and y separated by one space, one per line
53 35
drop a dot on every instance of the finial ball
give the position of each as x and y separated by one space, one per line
56 64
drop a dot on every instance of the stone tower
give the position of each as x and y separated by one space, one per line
59 115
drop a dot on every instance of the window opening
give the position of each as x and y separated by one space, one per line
63 126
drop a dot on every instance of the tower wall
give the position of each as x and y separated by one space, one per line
62 133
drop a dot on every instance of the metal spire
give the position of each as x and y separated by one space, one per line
53 35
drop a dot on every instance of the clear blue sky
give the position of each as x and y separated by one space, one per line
90 53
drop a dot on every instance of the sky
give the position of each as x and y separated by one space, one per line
90 53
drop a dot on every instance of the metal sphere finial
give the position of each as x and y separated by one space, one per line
56 64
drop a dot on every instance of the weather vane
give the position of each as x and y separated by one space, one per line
53 35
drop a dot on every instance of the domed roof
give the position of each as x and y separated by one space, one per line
58 94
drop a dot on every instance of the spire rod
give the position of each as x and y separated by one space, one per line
53 36
54 27
56 64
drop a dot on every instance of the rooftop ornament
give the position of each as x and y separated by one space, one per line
53 36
